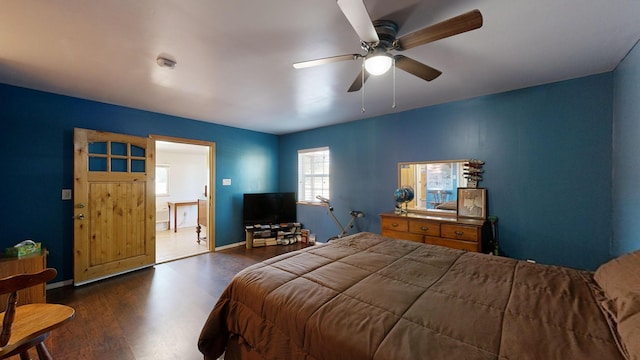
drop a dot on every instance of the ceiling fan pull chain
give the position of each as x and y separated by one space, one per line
362 77
393 106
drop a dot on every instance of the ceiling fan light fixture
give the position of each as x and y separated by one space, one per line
378 63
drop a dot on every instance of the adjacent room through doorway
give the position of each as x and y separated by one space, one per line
182 182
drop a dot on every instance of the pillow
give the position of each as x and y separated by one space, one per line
620 281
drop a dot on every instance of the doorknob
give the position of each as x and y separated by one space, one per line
79 217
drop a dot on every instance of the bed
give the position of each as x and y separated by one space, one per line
366 296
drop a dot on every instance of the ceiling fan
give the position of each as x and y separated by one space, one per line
378 39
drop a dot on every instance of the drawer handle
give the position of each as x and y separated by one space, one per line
394 224
459 233
424 228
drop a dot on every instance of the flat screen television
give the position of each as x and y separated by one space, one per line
269 208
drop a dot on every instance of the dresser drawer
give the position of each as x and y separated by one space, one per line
453 244
395 224
403 235
459 232
424 227
463 234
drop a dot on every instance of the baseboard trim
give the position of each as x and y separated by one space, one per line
230 246
59 284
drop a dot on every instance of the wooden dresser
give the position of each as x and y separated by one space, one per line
457 233
27 264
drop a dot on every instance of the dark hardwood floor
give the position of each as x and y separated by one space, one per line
155 313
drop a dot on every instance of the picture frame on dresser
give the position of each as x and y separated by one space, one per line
472 203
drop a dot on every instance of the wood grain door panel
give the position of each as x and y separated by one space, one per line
114 204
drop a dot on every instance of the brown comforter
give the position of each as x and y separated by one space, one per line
371 297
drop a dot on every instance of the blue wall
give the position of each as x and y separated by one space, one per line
548 165
36 148
548 153
626 154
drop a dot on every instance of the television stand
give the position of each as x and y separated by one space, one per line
273 234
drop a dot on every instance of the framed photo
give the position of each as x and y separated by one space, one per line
472 203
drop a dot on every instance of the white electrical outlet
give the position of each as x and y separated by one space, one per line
66 194
226 182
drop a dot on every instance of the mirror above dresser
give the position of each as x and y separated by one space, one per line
435 185
427 202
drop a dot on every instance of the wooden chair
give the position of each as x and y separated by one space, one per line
27 326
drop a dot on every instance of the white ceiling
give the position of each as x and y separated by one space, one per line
234 57
176 147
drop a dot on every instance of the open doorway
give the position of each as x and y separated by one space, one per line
183 197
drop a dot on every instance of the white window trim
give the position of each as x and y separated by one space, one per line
326 189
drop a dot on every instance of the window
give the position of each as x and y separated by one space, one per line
313 174
162 180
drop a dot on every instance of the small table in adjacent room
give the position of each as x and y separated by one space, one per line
175 206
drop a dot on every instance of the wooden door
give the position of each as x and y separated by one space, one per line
114 204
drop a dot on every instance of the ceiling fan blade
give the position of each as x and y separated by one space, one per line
456 25
357 83
327 60
358 16
416 68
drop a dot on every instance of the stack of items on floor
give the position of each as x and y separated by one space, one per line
289 234
260 237
278 234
